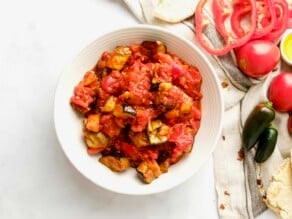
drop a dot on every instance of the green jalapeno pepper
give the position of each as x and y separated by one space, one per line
266 144
259 119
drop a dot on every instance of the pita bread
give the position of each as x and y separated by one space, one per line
174 11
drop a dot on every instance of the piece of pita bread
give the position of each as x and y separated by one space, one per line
174 11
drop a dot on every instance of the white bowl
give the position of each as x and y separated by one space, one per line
68 124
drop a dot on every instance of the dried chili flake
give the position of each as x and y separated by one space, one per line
240 154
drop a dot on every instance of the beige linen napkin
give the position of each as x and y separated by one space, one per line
236 178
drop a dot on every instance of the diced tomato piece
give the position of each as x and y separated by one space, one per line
190 82
177 71
137 81
183 139
84 92
196 112
130 150
163 73
141 120
163 58
109 126
82 99
149 153
111 83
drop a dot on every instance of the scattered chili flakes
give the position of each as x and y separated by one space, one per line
240 154
226 193
224 83
259 182
223 137
222 206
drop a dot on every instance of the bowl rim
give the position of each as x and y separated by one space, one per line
193 47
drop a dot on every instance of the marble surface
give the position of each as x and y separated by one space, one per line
38 38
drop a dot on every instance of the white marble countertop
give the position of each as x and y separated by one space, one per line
38 38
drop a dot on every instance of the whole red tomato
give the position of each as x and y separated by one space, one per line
280 92
257 58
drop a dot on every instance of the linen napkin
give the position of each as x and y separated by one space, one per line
239 182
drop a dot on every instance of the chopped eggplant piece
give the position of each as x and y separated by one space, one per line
101 72
157 132
119 58
115 164
149 170
91 123
95 140
163 155
109 104
169 106
164 166
129 109
154 46
140 139
154 86
112 151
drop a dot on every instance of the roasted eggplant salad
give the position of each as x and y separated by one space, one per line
141 107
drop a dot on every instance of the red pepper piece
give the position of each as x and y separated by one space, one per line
265 12
231 41
201 22
281 8
239 12
266 17
221 12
